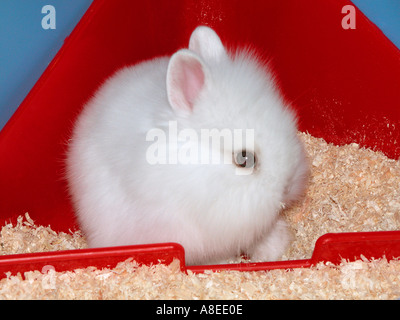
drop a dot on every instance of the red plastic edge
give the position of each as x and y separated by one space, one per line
335 247
69 260
331 247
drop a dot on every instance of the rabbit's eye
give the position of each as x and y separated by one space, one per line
245 159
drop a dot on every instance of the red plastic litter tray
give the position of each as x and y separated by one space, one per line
344 83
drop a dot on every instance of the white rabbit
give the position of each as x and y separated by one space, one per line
216 210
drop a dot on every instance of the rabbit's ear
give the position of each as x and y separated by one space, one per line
186 77
206 43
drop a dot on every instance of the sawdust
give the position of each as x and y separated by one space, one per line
351 189
27 237
377 279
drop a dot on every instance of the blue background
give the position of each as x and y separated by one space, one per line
26 48
385 14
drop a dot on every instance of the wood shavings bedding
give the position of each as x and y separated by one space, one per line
377 279
26 237
351 189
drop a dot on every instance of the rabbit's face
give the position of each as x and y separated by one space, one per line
251 150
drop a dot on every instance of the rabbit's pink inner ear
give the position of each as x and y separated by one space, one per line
185 81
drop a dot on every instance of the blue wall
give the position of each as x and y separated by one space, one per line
26 48
385 14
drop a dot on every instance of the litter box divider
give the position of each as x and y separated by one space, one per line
252 266
331 247
69 260
334 247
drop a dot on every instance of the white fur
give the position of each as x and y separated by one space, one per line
121 199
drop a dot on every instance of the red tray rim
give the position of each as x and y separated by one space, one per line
331 247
